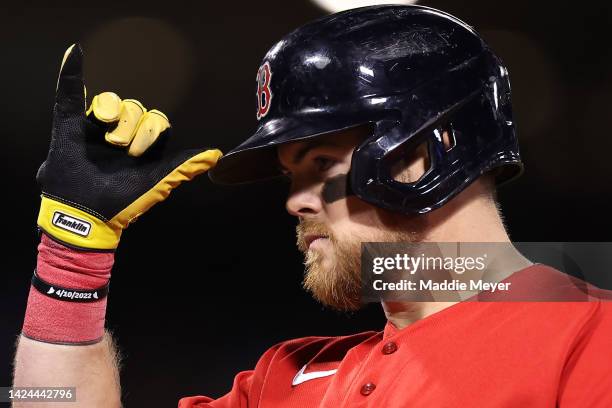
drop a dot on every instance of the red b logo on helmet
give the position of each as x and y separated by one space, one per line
264 94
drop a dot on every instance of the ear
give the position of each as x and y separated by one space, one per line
413 166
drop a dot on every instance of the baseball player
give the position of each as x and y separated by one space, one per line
391 124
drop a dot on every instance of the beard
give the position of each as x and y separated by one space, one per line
337 282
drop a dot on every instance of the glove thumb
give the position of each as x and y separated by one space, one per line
186 164
179 167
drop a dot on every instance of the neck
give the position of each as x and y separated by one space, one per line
469 217
403 314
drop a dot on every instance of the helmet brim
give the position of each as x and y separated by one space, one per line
256 158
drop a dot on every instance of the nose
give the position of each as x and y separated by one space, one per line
303 200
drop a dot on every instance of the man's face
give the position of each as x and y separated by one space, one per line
332 224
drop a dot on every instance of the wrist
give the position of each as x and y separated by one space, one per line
56 320
76 226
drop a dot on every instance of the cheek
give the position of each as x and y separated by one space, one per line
335 188
336 213
352 217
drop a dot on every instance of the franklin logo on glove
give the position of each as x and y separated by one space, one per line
72 224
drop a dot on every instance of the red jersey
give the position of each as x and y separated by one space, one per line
471 354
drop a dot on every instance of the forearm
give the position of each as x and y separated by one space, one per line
92 369
63 342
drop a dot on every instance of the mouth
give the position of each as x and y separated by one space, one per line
309 239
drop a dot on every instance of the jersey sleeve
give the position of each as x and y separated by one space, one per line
587 376
245 391
237 397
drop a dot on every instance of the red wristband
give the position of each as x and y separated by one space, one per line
67 322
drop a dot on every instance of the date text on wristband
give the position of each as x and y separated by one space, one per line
69 295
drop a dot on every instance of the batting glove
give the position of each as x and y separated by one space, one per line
106 166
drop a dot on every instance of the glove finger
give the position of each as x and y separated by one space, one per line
123 134
153 126
187 164
179 167
70 91
105 109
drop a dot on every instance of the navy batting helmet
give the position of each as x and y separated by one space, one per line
411 72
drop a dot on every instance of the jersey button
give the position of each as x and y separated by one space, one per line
367 389
389 348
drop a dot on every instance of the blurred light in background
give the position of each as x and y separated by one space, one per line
141 58
334 6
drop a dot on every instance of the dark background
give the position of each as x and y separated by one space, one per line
209 279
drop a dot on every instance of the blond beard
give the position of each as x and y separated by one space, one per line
338 286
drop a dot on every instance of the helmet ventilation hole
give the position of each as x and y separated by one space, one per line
447 137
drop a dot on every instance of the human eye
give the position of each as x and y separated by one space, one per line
324 163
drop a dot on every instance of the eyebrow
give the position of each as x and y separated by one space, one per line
303 151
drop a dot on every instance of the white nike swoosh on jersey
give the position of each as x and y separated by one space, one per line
300 377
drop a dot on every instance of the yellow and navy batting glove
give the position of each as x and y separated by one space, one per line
106 166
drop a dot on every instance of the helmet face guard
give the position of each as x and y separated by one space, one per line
412 72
